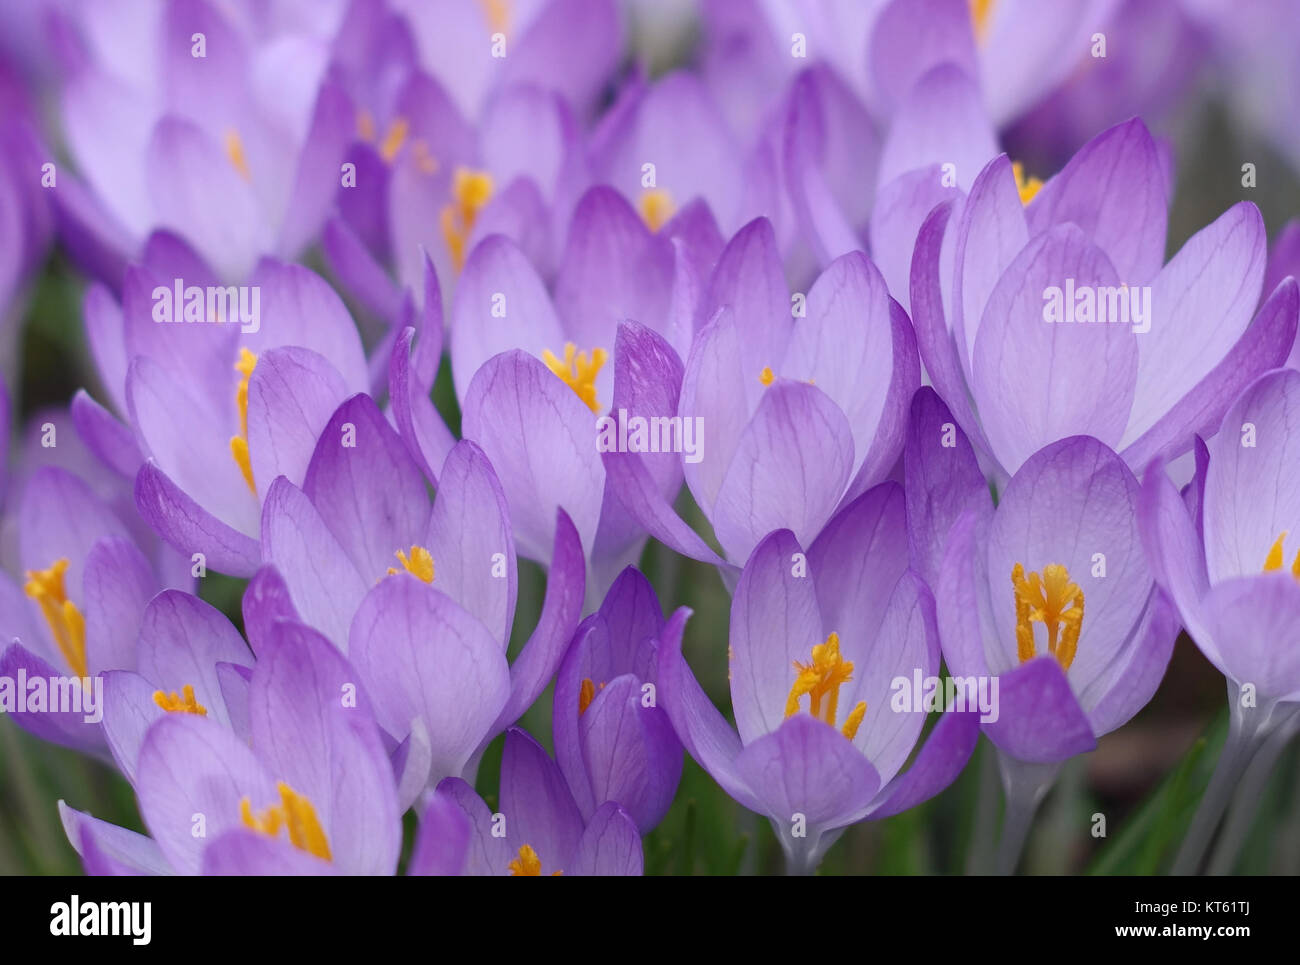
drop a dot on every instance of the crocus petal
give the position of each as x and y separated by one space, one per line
122 847
241 853
1035 381
421 655
902 206
1255 623
775 621
361 275
442 844
323 584
943 481
188 528
116 585
77 728
610 845
426 436
471 542
316 181
326 747
961 595
795 425
1130 683
190 766
291 395
1174 550
1113 189
266 600
942 758
110 441
940 121
129 710
540 438
487 854
908 38
1039 719
366 487
806 767
714 391
539 810
63 519
561 610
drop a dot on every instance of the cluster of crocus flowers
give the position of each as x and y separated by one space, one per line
805 290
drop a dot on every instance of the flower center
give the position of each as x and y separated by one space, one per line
293 814
419 564
239 444
234 146
183 703
656 207
528 865
981 12
767 376
577 371
1053 601
1026 187
470 191
1274 560
67 625
820 680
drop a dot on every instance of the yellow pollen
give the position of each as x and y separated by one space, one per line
365 126
528 864
1053 601
981 11
294 814
235 153
497 14
577 371
821 680
766 376
394 138
1025 187
470 191
183 703
656 206
587 693
67 625
1275 555
239 444
419 564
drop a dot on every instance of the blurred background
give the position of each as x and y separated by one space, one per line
1219 82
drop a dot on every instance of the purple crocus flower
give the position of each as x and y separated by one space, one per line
819 643
1225 555
180 116
538 830
612 740
826 392
1049 594
216 411
313 795
76 611
1022 369
420 597
25 220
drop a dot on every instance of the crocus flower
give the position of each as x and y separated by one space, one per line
216 411
222 130
612 739
420 597
1020 375
25 219
1049 594
1229 560
76 610
818 642
825 393
314 794
538 829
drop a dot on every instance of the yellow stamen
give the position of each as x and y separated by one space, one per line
497 14
577 371
419 564
981 11
470 191
394 139
67 625
295 814
183 703
239 444
656 207
587 693
821 679
1053 601
528 865
235 153
1275 555
365 126
1025 187
767 377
